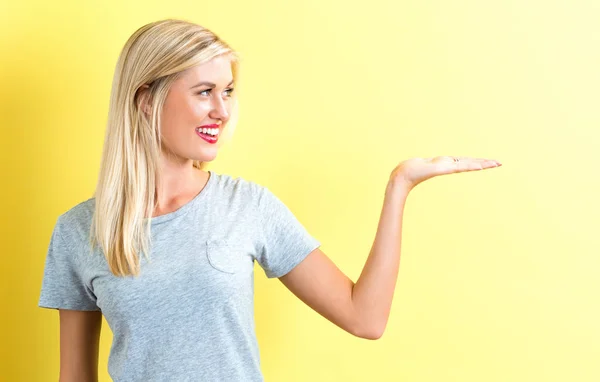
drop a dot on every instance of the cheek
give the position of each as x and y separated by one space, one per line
171 113
198 111
184 114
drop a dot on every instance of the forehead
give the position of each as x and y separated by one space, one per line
217 70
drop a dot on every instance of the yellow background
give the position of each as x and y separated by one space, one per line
499 272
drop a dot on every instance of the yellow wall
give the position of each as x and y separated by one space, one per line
499 272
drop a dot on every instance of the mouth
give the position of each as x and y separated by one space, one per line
209 133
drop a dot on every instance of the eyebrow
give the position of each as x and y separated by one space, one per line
208 84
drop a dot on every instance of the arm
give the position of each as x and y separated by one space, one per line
79 345
361 309
375 287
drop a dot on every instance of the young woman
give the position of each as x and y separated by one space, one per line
184 310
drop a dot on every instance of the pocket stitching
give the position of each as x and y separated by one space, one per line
215 244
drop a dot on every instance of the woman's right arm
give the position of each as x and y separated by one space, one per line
79 345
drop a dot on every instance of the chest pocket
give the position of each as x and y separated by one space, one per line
227 257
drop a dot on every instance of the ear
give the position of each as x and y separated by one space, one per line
144 99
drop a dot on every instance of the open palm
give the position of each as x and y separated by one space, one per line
416 170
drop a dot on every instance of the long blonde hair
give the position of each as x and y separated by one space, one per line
153 57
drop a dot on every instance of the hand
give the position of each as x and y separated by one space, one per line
413 171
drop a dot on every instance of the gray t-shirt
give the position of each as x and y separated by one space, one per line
189 316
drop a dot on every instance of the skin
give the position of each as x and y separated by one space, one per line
363 308
184 109
360 308
187 107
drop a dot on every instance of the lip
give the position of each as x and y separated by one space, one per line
211 140
208 139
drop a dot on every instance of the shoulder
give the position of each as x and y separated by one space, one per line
238 188
236 182
76 221
238 196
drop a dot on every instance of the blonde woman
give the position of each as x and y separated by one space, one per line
183 311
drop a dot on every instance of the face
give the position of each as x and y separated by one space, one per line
198 106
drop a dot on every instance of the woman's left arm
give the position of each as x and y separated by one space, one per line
363 308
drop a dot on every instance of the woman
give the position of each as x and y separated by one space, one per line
184 310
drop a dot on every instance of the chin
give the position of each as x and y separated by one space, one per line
205 157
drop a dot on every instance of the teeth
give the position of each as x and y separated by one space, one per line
212 131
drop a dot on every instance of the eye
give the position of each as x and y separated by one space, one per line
228 91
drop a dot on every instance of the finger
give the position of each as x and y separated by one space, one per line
488 163
472 164
471 159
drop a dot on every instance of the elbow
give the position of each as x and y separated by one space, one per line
370 335
368 324
375 335
370 332
64 377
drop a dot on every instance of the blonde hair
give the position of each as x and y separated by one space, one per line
153 57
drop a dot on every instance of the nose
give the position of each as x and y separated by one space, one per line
220 109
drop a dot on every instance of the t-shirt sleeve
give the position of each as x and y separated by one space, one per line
62 284
285 242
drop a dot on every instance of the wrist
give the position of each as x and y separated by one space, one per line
398 183
398 186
